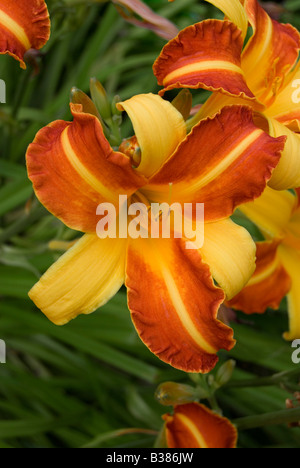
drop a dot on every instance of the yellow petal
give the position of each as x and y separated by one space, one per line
271 212
287 174
159 129
293 231
230 252
291 261
234 10
285 107
82 280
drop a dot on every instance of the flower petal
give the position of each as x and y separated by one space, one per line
223 162
286 108
270 54
83 279
159 129
291 262
23 25
174 304
268 286
287 173
74 169
195 426
271 212
292 238
230 253
235 11
150 20
206 55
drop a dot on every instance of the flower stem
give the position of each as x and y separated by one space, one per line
268 419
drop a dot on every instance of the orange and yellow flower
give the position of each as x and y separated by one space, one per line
263 74
195 426
24 25
224 162
277 214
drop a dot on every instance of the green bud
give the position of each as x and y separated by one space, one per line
79 97
183 103
225 372
100 98
114 108
171 394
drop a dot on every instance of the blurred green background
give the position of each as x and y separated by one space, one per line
75 386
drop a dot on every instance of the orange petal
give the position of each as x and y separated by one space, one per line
195 426
223 162
174 304
268 286
270 54
24 25
74 169
206 55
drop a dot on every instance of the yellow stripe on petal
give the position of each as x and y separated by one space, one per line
181 310
268 286
263 275
82 170
159 129
230 253
287 173
235 11
15 29
270 53
291 261
195 426
193 429
174 304
271 212
83 279
199 67
228 160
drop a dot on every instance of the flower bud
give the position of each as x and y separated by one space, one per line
183 103
225 372
172 394
100 99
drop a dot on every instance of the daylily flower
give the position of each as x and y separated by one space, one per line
263 75
24 25
277 214
195 426
223 162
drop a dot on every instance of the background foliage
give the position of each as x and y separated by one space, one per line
75 386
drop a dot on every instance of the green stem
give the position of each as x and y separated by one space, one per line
20 93
118 433
266 381
268 419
